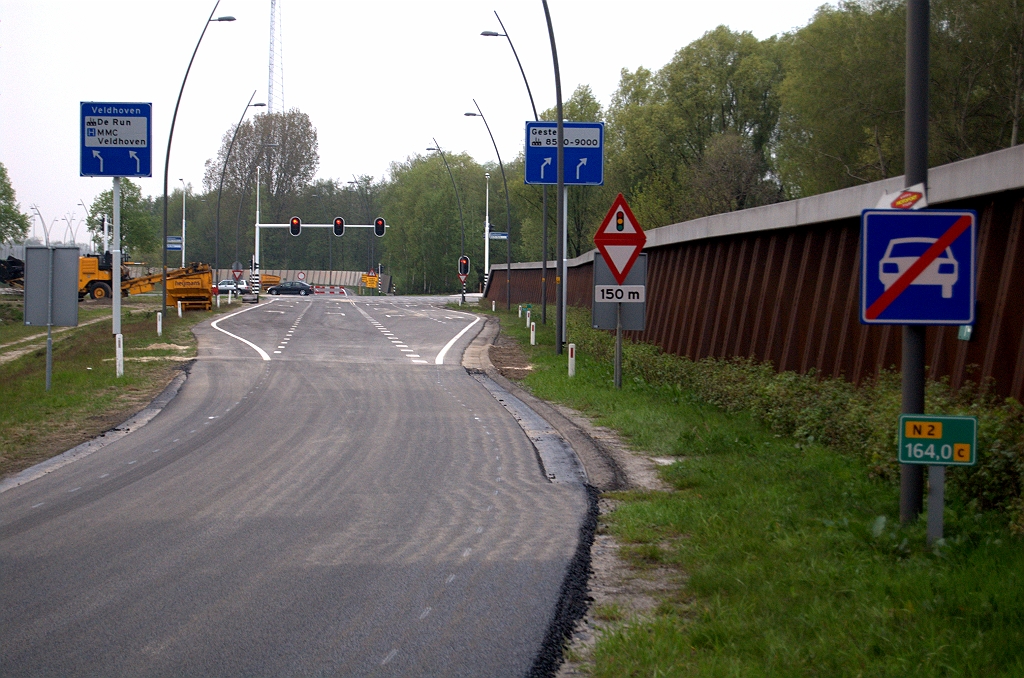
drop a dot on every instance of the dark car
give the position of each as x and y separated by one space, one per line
291 287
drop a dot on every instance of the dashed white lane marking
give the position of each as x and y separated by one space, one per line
423 615
466 552
134 461
406 350
421 362
450 579
479 530
176 440
74 489
104 475
391 655
38 505
402 346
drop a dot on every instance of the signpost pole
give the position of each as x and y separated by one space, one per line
936 501
916 153
560 135
618 346
49 317
115 272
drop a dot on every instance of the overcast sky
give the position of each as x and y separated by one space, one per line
378 79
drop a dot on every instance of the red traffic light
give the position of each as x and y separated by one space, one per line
339 226
295 226
379 226
463 265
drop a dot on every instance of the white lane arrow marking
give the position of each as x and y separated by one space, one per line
583 161
96 154
138 165
547 161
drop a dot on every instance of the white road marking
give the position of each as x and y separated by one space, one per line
38 505
450 579
276 351
466 552
133 462
423 615
75 489
422 362
402 346
406 350
391 655
439 360
479 530
104 475
413 355
263 354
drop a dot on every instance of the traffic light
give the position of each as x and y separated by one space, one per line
379 226
339 226
295 226
620 221
463 265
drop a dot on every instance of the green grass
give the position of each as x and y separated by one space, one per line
794 560
86 397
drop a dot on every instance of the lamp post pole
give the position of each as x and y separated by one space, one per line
220 190
170 138
487 228
462 245
508 211
560 263
544 199
183 191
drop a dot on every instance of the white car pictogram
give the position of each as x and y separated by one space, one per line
903 252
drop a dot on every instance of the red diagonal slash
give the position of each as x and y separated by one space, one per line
917 268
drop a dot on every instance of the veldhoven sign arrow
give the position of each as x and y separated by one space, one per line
620 239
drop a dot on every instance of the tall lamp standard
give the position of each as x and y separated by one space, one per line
508 211
184 189
560 132
330 241
223 170
544 255
462 247
364 194
170 138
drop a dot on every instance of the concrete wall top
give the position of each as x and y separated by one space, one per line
982 175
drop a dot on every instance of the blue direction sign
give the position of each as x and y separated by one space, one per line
584 153
116 140
917 267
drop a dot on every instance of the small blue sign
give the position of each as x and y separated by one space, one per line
116 140
584 153
917 267
174 243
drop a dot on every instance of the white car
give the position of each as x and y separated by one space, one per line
901 254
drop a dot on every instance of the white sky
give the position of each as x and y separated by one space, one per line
377 78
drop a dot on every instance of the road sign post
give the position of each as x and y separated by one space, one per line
937 441
619 239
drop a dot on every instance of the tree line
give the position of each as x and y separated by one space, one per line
731 122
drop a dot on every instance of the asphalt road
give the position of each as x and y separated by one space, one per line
346 506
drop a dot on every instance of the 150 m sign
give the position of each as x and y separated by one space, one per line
624 294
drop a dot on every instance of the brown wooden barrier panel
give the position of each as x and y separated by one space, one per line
791 296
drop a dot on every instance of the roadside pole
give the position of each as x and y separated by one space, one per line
618 346
916 164
115 272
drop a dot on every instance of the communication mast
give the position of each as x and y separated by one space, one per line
275 73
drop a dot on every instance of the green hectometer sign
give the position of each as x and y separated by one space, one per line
938 440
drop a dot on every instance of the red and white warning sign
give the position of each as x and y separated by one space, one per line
620 239
911 198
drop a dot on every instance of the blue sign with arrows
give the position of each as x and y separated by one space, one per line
917 267
584 153
116 140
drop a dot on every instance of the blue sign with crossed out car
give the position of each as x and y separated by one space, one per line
584 153
116 140
917 267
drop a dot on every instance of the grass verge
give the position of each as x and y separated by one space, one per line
794 561
86 397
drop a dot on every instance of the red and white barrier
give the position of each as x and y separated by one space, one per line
330 289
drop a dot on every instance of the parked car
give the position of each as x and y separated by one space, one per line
237 287
291 287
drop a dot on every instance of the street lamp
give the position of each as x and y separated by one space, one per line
183 190
560 140
366 211
170 138
330 240
508 210
462 246
544 246
223 169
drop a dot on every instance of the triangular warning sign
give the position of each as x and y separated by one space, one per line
620 239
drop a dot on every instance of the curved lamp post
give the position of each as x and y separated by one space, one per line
544 200
508 211
560 275
223 170
170 138
364 193
462 246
